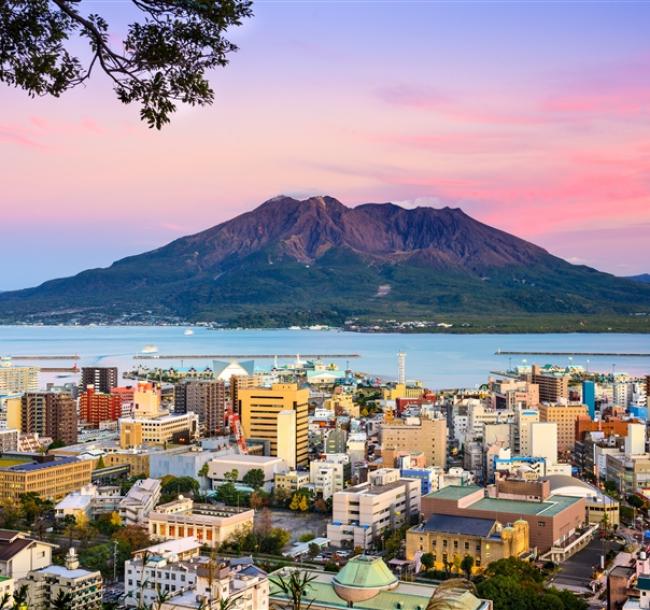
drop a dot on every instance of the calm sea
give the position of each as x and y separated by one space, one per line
440 360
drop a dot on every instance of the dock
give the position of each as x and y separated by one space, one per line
611 354
237 356
44 357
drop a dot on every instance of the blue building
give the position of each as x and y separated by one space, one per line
426 476
589 397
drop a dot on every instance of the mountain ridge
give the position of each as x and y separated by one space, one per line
317 259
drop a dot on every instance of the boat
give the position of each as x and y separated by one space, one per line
149 349
295 328
188 332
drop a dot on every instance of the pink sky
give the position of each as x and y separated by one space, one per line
535 121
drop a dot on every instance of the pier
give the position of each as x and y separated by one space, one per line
44 357
237 356
612 354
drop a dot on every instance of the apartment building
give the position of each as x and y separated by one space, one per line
278 415
520 430
89 502
49 476
190 581
206 398
510 394
45 585
330 474
565 416
96 407
9 441
364 512
413 434
50 414
17 379
208 524
291 481
102 378
20 553
449 537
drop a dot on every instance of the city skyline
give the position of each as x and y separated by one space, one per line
531 118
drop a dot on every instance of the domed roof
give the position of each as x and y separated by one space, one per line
362 578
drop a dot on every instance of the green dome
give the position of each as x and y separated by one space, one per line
362 578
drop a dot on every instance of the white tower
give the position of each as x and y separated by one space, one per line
401 367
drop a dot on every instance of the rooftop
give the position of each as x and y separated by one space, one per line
454 492
458 525
549 508
65 573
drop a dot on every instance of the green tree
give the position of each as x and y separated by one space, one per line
20 598
162 60
63 601
466 566
427 560
171 487
254 478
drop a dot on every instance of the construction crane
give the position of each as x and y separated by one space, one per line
236 429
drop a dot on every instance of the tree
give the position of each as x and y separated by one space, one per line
20 598
303 505
635 502
203 471
466 565
457 560
254 478
161 61
171 487
63 601
427 560
313 549
100 463
232 476
446 591
295 502
294 584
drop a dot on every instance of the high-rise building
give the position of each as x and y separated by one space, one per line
50 414
242 382
103 378
553 387
589 396
17 379
413 434
565 417
519 441
96 407
260 410
543 441
206 398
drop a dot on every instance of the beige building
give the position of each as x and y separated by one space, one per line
19 553
520 430
415 434
450 538
513 393
45 585
553 386
12 407
565 416
205 522
291 481
17 379
50 477
264 416
362 513
136 431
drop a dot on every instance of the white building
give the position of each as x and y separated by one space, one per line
328 475
362 513
20 553
89 502
189 580
139 501
223 465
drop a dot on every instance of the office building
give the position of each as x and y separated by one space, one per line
542 441
221 466
330 474
509 394
425 434
449 537
243 382
553 386
291 481
589 397
206 398
266 415
102 378
565 416
362 513
140 431
520 430
49 414
207 523
48 476
96 407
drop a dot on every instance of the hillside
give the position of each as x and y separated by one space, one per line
291 261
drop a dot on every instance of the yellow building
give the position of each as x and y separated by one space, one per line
291 481
50 477
401 390
17 379
137 432
13 409
260 410
450 538
565 417
146 400
415 434
137 461
207 523
342 403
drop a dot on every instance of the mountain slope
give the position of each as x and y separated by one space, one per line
320 260
644 278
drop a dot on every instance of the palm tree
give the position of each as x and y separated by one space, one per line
63 601
20 599
444 597
294 586
4 602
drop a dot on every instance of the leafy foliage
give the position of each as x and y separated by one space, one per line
162 60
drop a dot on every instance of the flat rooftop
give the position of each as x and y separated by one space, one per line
552 506
454 492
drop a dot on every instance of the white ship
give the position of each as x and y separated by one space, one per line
149 349
188 332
